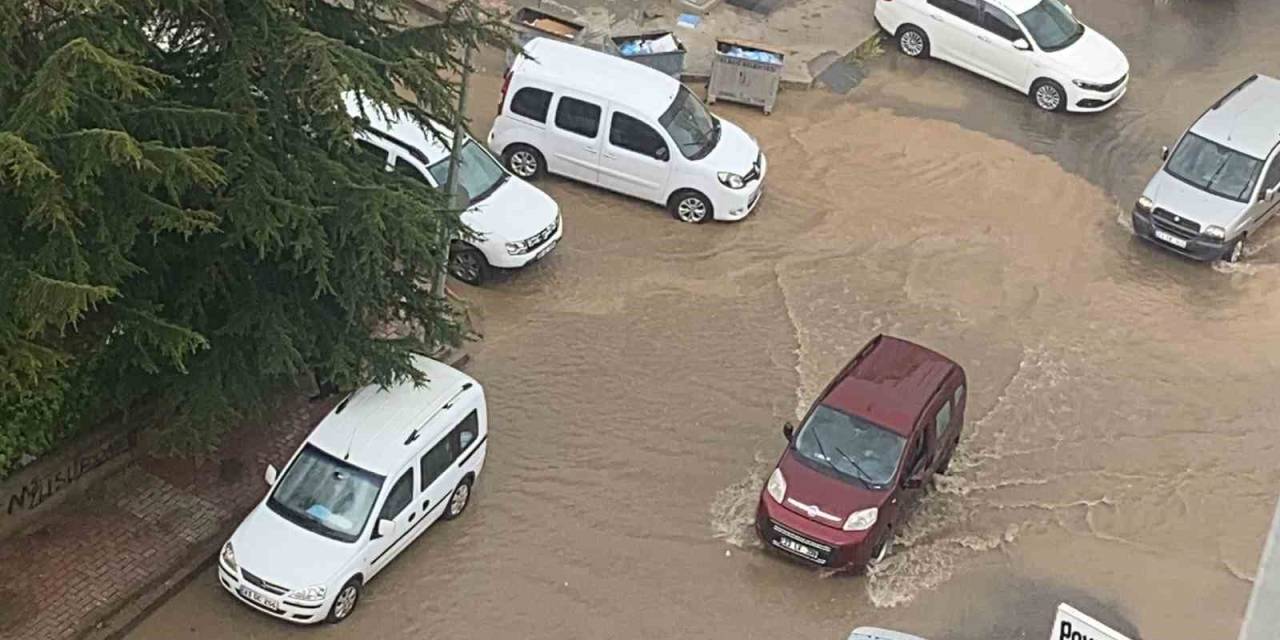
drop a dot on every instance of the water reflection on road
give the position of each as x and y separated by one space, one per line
1119 451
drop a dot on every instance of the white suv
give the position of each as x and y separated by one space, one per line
383 466
1222 180
516 223
610 122
1034 46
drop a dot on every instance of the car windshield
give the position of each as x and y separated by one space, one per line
850 446
693 128
1052 25
1214 168
478 173
326 495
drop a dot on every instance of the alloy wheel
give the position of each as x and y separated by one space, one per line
1048 97
692 209
524 164
345 602
458 501
465 266
912 43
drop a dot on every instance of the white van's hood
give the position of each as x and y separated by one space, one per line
1180 198
736 151
1092 58
283 553
515 211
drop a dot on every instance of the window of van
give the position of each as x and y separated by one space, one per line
531 103
467 431
326 495
942 422
631 134
694 130
399 497
435 461
576 116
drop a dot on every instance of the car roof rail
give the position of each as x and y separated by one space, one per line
1223 100
413 435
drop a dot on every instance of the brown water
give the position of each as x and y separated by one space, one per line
1119 451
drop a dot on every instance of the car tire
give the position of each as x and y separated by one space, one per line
882 550
1236 253
458 500
345 602
913 42
1048 95
469 265
524 162
690 206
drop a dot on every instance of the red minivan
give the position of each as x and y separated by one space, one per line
859 461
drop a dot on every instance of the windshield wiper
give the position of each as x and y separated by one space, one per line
827 459
866 477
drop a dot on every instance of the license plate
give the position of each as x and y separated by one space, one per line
796 547
1171 239
545 250
254 596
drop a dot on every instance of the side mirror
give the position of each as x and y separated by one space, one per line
1068 8
270 475
1271 193
384 528
788 431
661 153
1164 152
1021 44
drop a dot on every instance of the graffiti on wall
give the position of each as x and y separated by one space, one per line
36 490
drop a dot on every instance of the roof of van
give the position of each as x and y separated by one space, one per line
384 120
368 429
1247 119
609 77
890 383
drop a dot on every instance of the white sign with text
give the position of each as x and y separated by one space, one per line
1070 624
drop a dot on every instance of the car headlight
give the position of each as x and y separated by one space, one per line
777 487
1088 86
1215 232
517 248
1145 205
861 520
229 557
309 594
731 180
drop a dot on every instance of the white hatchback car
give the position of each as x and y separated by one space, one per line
610 122
516 223
1034 46
374 474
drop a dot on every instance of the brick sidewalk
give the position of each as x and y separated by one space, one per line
99 552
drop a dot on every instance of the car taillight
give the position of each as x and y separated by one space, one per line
502 96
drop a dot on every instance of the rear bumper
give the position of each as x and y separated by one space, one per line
836 549
290 612
1198 248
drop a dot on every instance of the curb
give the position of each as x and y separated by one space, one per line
133 609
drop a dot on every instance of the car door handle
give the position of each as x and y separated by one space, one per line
936 17
985 39
412 516
426 504
610 156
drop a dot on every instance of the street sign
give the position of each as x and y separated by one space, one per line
1070 624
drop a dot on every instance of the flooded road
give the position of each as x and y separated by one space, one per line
1119 451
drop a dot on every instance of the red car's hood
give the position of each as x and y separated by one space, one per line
821 497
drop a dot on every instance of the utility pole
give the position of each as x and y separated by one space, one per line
457 199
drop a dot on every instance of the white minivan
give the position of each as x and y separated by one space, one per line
383 466
611 122
516 224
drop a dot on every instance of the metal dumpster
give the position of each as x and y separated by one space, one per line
745 72
530 23
668 62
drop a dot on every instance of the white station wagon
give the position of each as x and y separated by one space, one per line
373 476
1037 47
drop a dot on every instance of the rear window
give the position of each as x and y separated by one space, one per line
531 103
576 116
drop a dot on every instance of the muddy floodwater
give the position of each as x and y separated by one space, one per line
1120 451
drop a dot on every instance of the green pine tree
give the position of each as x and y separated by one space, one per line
185 223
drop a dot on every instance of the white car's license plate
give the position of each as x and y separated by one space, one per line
254 596
1171 239
545 250
802 549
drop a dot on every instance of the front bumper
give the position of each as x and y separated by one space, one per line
1198 247
496 252
1086 101
731 205
295 612
835 549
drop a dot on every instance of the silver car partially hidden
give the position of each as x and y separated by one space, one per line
1220 183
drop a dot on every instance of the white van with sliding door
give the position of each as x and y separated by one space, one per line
380 469
616 124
